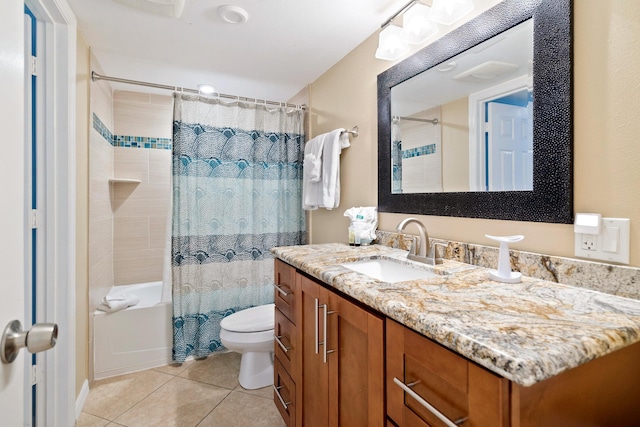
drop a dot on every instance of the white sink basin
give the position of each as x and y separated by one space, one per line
389 271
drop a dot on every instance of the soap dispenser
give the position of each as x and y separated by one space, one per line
504 273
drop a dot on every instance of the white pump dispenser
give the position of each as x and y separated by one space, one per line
504 273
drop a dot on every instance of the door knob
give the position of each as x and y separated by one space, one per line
41 337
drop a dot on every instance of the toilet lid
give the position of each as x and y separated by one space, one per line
254 319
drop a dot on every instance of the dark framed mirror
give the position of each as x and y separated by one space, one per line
551 199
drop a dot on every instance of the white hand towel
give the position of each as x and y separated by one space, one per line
313 159
334 142
112 304
321 170
312 173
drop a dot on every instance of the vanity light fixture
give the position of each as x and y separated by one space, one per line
390 43
446 12
416 25
419 23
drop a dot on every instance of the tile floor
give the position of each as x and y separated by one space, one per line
202 393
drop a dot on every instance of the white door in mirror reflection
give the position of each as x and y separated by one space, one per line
509 147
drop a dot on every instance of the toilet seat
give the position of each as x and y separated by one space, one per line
254 319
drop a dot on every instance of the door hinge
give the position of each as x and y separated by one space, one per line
36 374
35 221
486 126
34 66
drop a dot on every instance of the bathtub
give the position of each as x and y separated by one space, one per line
137 338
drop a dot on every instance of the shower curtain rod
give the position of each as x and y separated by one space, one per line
415 119
95 77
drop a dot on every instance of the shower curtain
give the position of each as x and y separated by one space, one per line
237 188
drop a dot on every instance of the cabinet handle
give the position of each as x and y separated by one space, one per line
277 390
317 326
326 341
427 405
282 291
282 346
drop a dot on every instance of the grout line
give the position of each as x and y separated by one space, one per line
214 408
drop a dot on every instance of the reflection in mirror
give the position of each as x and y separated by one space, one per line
467 123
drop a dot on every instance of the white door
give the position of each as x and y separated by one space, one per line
12 376
15 378
510 147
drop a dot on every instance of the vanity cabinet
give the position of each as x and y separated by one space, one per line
328 356
339 363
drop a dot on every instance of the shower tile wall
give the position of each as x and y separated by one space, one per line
141 211
127 222
100 255
100 213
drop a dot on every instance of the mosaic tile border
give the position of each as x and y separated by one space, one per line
419 151
619 280
130 141
102 129
143 142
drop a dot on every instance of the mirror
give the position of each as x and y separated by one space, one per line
474 130
431 173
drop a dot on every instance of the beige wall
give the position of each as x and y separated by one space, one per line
606 129
82 212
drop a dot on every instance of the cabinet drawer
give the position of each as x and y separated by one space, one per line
284 394
422 373
285 289
285 343
434 374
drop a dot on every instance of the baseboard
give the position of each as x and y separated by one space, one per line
108 373
82 398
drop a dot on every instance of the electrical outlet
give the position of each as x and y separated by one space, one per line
611 245
589 242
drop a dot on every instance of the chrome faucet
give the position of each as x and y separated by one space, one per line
425 252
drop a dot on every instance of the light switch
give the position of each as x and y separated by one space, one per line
611 239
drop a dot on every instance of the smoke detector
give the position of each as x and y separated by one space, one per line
169 8
232 14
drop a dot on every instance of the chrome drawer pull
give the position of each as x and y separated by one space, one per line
427 405
276 389
282 346
317 326
326 340
282 291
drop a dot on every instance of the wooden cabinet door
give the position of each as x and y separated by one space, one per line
356 365
315 372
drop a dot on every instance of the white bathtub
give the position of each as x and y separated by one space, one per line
134 339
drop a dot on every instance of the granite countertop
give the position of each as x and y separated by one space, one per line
526 332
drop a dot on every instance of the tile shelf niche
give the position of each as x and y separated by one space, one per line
124 181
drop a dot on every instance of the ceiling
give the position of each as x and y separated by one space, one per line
282 47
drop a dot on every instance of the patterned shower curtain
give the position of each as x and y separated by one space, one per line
237 188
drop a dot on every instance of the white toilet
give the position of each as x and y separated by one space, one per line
250 332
